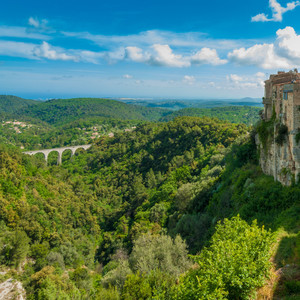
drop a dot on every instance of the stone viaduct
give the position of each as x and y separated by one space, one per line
60 151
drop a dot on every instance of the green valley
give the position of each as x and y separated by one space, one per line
178 209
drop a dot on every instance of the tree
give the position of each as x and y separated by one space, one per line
233 266
159 252
20 248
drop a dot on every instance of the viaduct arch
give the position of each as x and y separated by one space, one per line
60 151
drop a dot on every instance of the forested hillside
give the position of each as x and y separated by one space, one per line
33 134
119 220
63 111
9 104
34 125
235 114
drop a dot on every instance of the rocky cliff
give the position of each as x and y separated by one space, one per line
279 152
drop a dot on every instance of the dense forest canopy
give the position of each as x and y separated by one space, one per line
9 104
163 210
63 111
58 123
235 114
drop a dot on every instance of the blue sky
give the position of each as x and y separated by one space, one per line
167 49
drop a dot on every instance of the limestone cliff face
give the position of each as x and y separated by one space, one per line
280 161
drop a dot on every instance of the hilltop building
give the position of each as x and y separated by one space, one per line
278 133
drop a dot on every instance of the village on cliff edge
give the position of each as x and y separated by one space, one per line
278 137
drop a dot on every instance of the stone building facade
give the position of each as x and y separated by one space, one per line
280 154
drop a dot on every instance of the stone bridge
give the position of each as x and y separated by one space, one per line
60 151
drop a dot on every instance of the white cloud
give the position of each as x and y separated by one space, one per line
21 32
262 56
89 56
234 78
159 55
47 51
287 44
38 24
245 82
260 75
164 56
284 53
135 54
190 80
260 18
151 37
17 49
207 56
127 76
277 11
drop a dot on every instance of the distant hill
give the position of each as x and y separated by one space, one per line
235 114
11 104
62 111
195 103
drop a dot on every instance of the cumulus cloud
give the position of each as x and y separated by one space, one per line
287 44
284 53
207 56
277 11
135 54
158 55
262 55
47 51
163 55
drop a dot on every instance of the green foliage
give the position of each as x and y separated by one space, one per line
281 134
56 259
233 266
159 252
292 286
298 136
117 276
235 114
48 285
39 253
113 205
10 104
14 248
136 287
265 130
62 111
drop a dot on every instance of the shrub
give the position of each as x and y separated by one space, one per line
265 130
159 252
282 133
233 266
136 287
